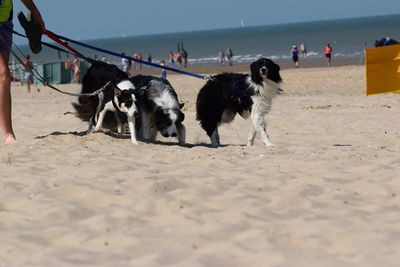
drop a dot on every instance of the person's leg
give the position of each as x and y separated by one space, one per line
5 100
28 83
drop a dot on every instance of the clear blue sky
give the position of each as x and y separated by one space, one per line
91 19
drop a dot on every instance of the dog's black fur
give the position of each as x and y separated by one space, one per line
227 94
120 101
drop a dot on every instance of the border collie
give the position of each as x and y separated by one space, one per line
250 95
159 109
118 97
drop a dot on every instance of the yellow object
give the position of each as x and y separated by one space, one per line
5 10
383 69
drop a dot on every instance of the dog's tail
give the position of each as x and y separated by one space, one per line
85 108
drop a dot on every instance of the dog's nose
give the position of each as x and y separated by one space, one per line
136 114
263 70
173 134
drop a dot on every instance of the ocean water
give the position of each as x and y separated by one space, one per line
348 37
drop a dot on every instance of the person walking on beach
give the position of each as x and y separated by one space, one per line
163 71
179 58
229 56
295 55
149 57
6 16
184 56
77 70
126 66
328 53
221 57
171 58
28 77
303 50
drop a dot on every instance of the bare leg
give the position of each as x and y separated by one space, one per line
5 100
28 85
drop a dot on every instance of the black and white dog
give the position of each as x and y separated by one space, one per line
159 109
118 97
251 96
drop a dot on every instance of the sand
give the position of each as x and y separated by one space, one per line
326 194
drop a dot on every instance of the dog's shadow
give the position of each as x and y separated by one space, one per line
127 136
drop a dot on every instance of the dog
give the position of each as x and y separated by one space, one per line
224 95
159 109
118 97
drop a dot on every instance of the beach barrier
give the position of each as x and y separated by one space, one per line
383 69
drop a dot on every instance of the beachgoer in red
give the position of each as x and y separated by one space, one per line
328 53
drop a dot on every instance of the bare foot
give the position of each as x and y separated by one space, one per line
10 140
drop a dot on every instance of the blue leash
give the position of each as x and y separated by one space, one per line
132 59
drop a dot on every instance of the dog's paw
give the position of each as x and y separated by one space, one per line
135 142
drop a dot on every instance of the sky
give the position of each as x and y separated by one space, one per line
93 19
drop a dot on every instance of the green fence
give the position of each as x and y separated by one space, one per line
56 73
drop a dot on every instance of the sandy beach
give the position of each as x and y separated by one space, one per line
326 194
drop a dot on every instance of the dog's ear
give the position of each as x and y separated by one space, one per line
181 105
117 91
274 74
255 72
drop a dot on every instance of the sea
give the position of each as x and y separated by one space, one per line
348 38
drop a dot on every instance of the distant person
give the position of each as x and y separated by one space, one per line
140 57
126 66
149 57
295 55
328 53
184 57
76 68
163 71
6 11
303 50
171 58
28 77
221 58
229 56
385 42
179 58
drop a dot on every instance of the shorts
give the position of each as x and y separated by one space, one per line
28 77
328 55
6 36
295 58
